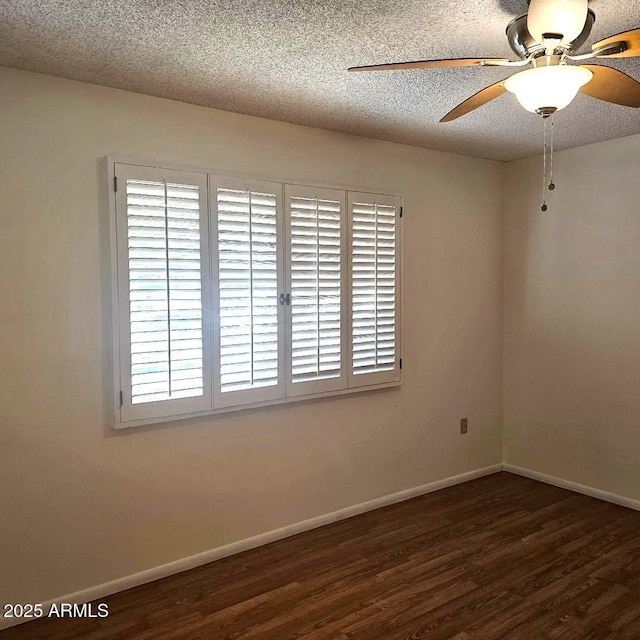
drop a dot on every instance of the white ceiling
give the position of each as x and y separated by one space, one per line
287 60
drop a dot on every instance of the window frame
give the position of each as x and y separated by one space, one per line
211 173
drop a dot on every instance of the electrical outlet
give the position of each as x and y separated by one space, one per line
464 427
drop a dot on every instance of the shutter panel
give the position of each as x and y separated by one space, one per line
248 258
375 289
317 284
163 269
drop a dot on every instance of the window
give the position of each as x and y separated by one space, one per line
374 268
247 239
233 292
163 267
316 280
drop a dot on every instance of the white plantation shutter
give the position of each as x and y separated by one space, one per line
317 283
375 288
230 292
163 274
249 357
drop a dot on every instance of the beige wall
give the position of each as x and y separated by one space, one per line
572 304
81 506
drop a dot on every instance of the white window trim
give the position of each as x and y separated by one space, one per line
115 394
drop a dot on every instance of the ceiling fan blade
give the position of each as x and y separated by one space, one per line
631 39
477 100
431 64
612 85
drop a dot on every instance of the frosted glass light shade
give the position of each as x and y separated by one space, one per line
557 16
547 87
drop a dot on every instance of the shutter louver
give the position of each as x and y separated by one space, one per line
316 286
165 297
248 285
374 277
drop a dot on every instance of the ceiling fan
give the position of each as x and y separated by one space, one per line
547 39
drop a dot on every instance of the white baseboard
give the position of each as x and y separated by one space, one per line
171 568
573 486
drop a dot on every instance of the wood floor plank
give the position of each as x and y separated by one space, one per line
498 558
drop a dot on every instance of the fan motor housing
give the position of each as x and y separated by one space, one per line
523 44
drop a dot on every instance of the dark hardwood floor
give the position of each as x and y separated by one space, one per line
499 557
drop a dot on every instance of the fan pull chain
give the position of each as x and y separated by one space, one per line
547 150
544 168
551 186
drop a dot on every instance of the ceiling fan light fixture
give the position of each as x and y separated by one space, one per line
544 90
565 17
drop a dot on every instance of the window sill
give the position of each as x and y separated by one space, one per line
118 424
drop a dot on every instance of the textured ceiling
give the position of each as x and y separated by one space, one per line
287 60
